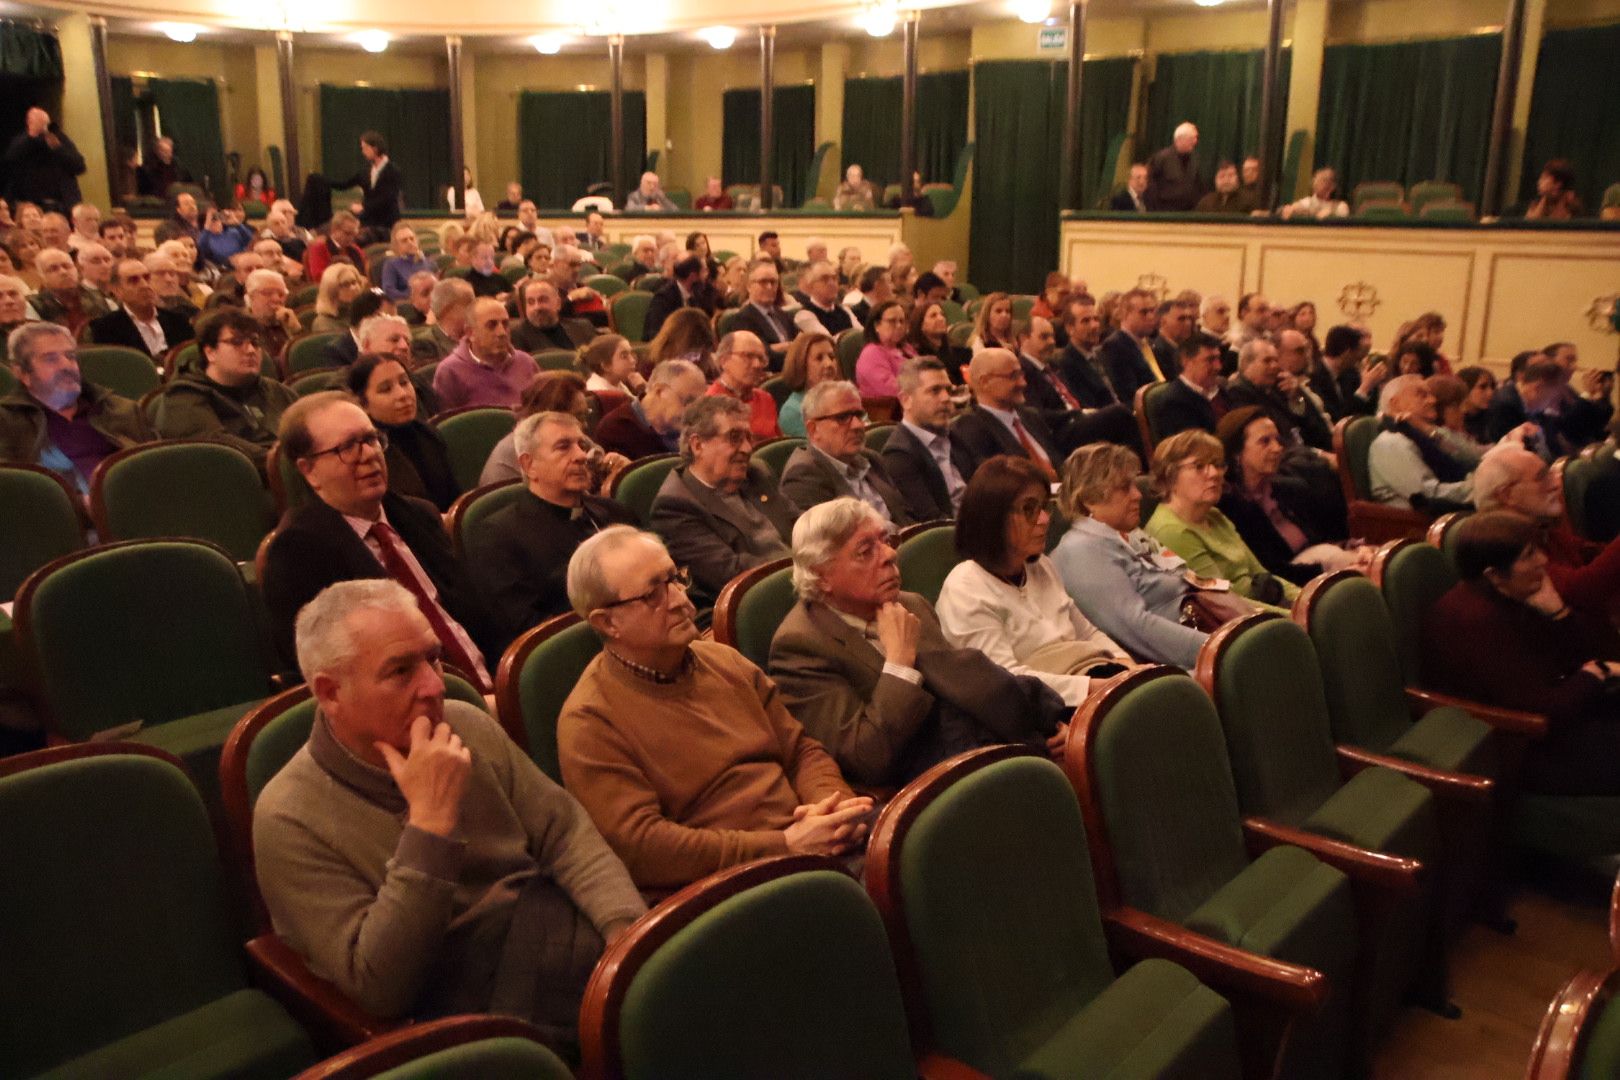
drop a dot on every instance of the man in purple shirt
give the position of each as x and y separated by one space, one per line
484 369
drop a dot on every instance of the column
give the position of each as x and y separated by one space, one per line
289 113
1507 90
908 106
1270 104
616 117
1305 87
109 134
1072 163
469 125
81 118
1535 25
830 113
767 102
657 76
458 158
267 102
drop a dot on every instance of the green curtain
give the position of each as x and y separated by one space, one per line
1409 111
1018 108
28 53
1105 107
1574 111
872 126
1220 92
415 124
125 125
188 113
565 140
793 135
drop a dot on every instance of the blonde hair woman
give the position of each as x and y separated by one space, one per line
992 329
339 286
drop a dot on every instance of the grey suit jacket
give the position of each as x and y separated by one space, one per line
882 730
706 534
810 480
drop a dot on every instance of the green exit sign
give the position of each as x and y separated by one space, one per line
1053 38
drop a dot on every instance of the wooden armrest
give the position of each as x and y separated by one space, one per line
940 1067
1223 967
310 998
1464 787
1395 873
1531 725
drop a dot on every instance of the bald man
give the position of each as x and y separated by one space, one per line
999 422
484 369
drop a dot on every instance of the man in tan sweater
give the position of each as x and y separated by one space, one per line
411 853
681 750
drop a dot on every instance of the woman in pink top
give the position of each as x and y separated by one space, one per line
877 372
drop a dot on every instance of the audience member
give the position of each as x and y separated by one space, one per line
595 236
484 275
280 225
1196 399
872 287
54 230
1175 181
1345 379
609 365
1177 320
1128 352
855 192
878 366
343 348
929 288
1534 383
1408 465
741 360
930 335
95 272
337 246
1188 474
53 417
683 752
1450 393
867 670
999 423
1132 198
920 456
1479 388
417 458
14 310
167 279
684 289
762 315
380 184
1555 193
1006 599
1128 584
811 360
686 335
23 251
228 400
1046 392
649 195
417 307
1080 364
1579 417
1262 381
1228 197
714 196
484 369
822 313
340 284
406 261
264 298
549 391
62 298
719 513
42 163
138 323
652 425
993 326
162 170
540 326
835 462
224 233
1320 203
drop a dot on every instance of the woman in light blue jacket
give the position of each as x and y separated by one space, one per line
1128 584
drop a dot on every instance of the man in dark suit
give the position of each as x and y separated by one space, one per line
762 317
1533 382
836 462
1261 381
683 291
380 187
867 670
1132 200
1178 317
1339 379
651 424
540 325
1080 365
139 323
1128 351
1071 423
1196 399
519 558
921 458
999 422
356 528
718 514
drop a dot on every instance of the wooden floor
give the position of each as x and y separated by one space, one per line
1503 985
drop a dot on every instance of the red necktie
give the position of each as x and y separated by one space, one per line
458 650
1033 449
1061 387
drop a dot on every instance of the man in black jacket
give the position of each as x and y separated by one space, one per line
519 559
380 187
1072 424
1128 351
356 528
922 459
1196 398
139 323
42 164
999 422
1079 364
1338 378
1261 381
683 291
540 325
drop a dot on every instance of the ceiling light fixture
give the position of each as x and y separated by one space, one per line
1208 3
547 44
1032 11
719 37
184 33
373 41
879 19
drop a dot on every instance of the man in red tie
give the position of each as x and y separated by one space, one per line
999 422
355 527
1071 423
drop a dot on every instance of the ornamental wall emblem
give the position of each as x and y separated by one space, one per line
1358 300
1157 284
1602 316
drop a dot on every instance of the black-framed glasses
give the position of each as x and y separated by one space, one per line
240 342
658 594
350 451
844 417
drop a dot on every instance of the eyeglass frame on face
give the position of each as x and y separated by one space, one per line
349 450
738 437
1030 510
251 342
658 594
840 417
1192 463
869 552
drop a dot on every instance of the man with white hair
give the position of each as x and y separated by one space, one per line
14 309
86 225
822 313
138 322
1174 179
649 195
651 424
1407 464
61 297
856 192
1320 203
96 270
265 297
411 853
681 750
53 418
519 556
867 670
169 282
643 259
835 462
451 303
281 225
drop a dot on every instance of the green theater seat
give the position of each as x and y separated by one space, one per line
926 558
751 607
536 676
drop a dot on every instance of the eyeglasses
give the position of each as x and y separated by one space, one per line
350 451
240 342
1201 466
658 594
737 437
1030 509
844 417
877 549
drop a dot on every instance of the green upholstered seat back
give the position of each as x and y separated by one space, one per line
1433 191
629 310
761 610
1268 690
1165 790
487 1059
1002 913
557 359
1358 438
125 371
39 523
199 489
850 343
469 437
1600 1043
152 631
8 381
546 679
1600 498
1361 666
791 978
638 485
877 436
774 455
1414 578
777 387
293 488
112 917
927 559
1153 407
606 284
309 352
482 507
726 322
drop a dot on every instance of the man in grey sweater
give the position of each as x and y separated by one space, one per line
411 852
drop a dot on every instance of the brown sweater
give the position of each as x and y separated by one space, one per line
691 777
408 922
